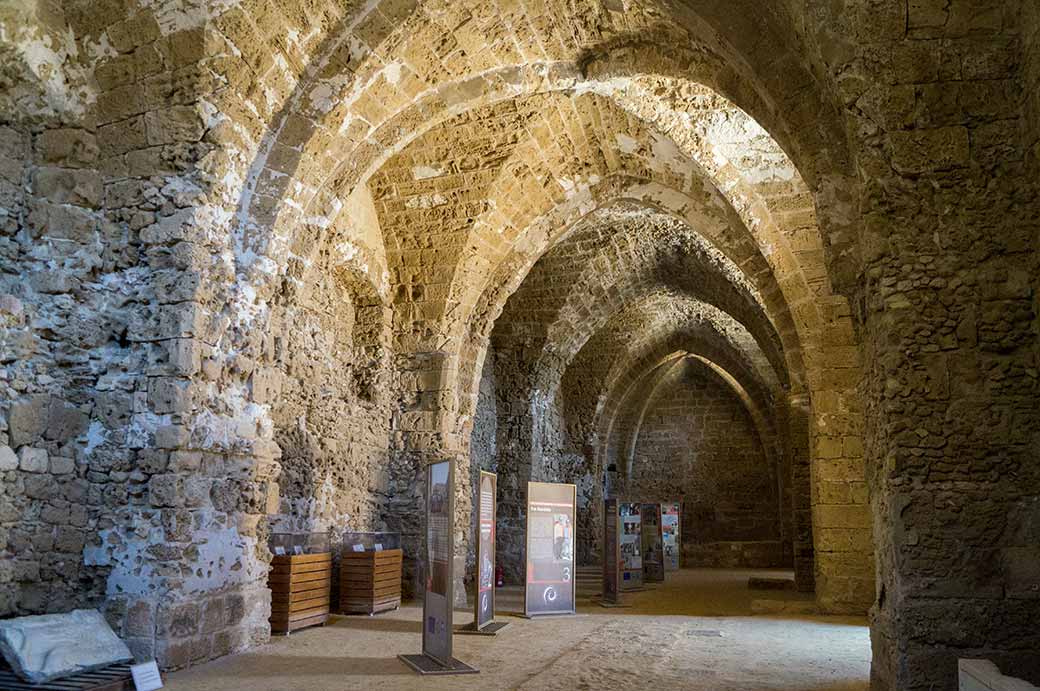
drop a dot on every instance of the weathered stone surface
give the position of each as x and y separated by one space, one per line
8 458
51 646
259 267
33 460
28 419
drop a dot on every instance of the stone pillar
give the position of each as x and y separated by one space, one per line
424 431
952 435
843 548
796 442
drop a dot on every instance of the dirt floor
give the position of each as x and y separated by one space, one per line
695 631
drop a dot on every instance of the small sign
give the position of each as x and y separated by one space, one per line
359 548
280 551
297 549
379 547
146 676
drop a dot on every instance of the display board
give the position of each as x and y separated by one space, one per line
611 552
439 596
630 546
485 601
670 534
653 545
550 549
440 551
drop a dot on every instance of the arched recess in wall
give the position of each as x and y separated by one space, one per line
692 439
610 371
328 342
539 429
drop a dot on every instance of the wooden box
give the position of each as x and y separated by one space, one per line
370 581
299 586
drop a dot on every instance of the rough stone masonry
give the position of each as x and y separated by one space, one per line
262 260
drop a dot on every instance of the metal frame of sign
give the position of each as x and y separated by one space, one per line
527 546
655 572
678 535
438 659
489 627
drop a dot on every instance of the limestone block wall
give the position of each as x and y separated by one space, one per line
697 444
948 316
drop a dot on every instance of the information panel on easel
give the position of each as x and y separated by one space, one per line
653 545
439 596
631 540
484 603
550 549
670 534
611 552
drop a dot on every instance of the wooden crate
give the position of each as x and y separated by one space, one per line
370 582
299 586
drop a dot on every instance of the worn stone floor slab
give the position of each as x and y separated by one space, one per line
695 631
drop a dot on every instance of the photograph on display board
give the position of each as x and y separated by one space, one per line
550 549
630 545
653 549
439 527
670 534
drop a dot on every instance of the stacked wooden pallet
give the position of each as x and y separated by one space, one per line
370 581
299 586
114 678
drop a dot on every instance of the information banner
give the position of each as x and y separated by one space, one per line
611 552
630 546
670 534
653 545
550 549
485 600
440 551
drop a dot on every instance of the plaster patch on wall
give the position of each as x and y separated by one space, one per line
626 143
178 15
95 436
426 201
425 172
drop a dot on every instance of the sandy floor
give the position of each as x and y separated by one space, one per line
694 632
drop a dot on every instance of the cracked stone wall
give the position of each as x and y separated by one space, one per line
695 442
207 324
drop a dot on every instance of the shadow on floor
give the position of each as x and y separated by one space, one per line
366 623
296 667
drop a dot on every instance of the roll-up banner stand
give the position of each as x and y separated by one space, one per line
653 545
611 596
631 546
549 585
484 604
439 599
671 534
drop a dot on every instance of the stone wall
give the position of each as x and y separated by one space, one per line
948 317
696 443
206 320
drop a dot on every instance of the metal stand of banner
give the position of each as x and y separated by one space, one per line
424 664
489 629
436 657
484 599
